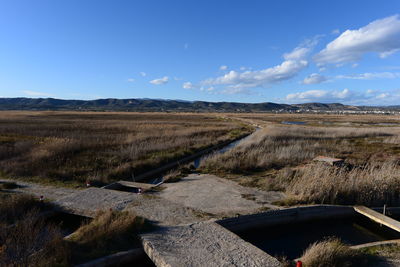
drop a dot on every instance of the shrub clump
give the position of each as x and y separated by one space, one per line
333 253
371 185
26 239
109 232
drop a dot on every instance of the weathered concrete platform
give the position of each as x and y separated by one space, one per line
203 244
87 202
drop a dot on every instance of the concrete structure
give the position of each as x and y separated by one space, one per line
286 216
330 161
87 202
117 259
203 244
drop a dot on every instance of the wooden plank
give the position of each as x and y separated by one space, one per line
377 243
378 217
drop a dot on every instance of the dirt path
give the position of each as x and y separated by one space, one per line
211 194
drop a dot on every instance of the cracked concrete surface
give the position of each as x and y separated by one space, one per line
211 194
203 244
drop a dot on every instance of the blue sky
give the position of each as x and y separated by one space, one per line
220 50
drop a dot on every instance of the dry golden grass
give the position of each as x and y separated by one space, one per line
349 120
333 253
108 232
374 184
280 146
76 146
14 207
280 158
25 238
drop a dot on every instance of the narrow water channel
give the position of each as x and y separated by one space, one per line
197 161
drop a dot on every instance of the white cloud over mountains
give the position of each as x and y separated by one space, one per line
318 95
345 96
36 94
380 36
160 81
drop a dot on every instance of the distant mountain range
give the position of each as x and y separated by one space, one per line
112 104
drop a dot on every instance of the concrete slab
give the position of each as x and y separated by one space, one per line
163 212
203 244
87 202
215 195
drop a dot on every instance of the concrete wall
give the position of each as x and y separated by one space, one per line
293 215
286 216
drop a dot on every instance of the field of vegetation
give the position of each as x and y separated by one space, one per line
72 147
279 157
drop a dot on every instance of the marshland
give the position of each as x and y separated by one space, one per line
55 153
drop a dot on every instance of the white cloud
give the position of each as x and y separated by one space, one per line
381 36
297 54
235 91
143 74
327 96
223 67
35 93
130 80
249 79
188 85
160 81
370 76
383 96
346 96
294 62
314 78
335 31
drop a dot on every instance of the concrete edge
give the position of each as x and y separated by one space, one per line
155 257
285 216
116 259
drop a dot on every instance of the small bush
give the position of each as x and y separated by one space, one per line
371 185
25 238
14 207
108 232
332 253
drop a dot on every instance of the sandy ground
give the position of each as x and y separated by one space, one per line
211 194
